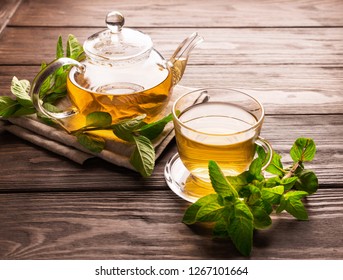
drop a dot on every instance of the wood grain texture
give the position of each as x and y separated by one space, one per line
41 170
221 45
126 225
180 13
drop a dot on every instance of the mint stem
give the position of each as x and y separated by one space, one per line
291 172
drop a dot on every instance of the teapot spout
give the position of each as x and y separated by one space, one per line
179 59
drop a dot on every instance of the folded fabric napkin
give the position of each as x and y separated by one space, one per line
60 142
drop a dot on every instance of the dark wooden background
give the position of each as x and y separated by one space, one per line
288 54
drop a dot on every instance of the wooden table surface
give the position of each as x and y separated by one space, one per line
288 54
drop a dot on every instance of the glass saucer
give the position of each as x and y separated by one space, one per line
177 177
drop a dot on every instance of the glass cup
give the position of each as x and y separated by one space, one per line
213 124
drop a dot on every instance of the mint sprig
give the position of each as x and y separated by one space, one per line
134 131
244 202
130 130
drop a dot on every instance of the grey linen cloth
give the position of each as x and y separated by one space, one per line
62 143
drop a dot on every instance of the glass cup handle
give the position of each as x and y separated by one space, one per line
39 80
267 148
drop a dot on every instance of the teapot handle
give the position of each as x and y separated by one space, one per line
39 80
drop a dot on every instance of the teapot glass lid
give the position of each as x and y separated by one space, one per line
117 43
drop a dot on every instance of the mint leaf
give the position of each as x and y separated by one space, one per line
143 157
273 195
51 108
288 183
240 180
210 212
220 229
261 153
21 89
272 182
251 193
303 149
59 48
74 48
8 106
55 96
154 129
91 142
307 181
220 184
60 79
124 128
276 167
23 111
241 227
98 119
292 204
261 217
255 169
192 211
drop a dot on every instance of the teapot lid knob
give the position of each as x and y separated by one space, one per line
115 21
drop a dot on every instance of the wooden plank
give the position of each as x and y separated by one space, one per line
221 45
147 225
41 170
7 9
180 13
287 89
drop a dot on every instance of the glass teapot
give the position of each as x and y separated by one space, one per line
122 74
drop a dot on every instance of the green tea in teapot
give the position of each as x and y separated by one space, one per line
121 99
122 74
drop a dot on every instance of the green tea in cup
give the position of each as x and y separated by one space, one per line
216 124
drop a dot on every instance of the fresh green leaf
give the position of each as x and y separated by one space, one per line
192 211
219 182
210 212
59 48
8 106
303 149
143 157
220 229
261 217
21 90
98 119
241 228
288 183
276 167
154 129
60 85
261 153
240 180
51 108
74 48
272 182
54 97
291 202
91 142
251 193
273 195
295 194
23 111
267 206
307 181
255 169
124 129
